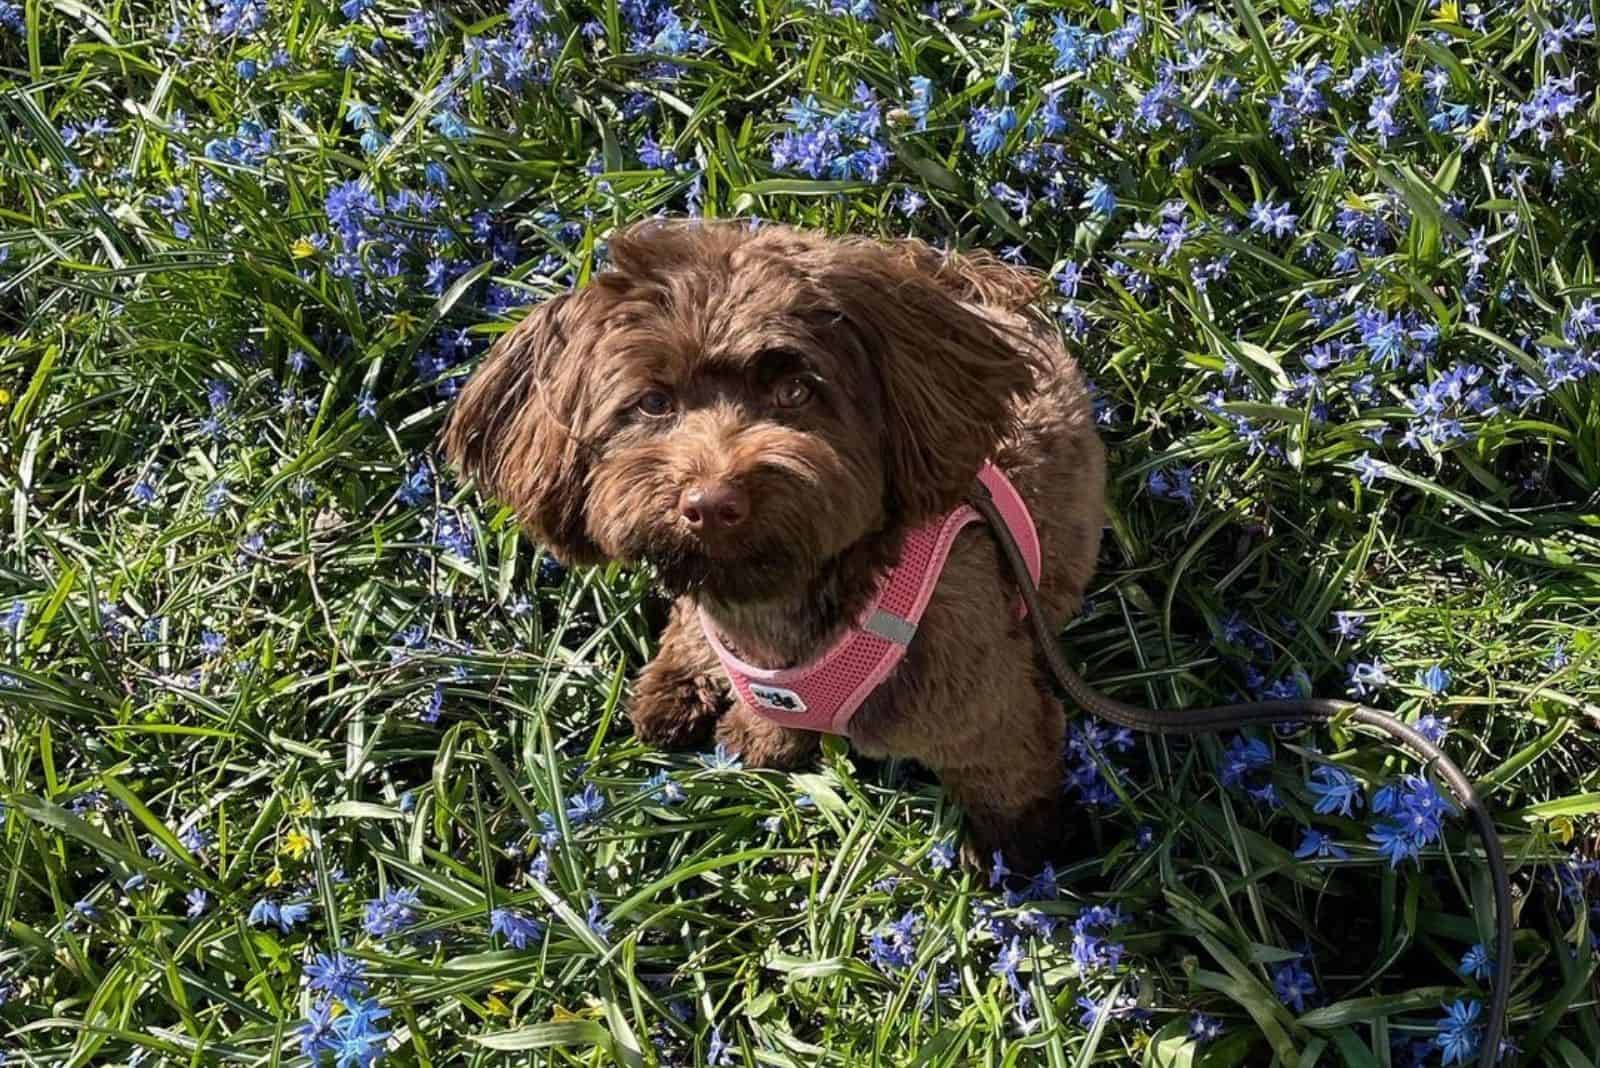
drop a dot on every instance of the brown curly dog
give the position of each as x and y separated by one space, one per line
761 415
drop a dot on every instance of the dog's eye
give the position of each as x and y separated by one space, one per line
654 402
792 392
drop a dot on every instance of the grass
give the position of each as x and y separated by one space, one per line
257 644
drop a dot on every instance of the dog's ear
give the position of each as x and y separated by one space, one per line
512 428
939 329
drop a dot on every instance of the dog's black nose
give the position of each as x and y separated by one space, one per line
717 506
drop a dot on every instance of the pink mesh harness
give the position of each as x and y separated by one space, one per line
824 694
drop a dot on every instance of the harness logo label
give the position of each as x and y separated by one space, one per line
777 698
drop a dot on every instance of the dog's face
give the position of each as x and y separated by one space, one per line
738 407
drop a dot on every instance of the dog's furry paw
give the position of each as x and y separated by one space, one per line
760 743
1024 843
673 711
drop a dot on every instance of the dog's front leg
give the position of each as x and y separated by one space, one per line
679 696
1010 788
761 743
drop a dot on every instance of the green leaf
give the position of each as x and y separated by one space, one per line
558 1035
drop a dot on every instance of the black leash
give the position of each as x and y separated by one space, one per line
1231 717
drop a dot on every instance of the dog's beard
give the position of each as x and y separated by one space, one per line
765 570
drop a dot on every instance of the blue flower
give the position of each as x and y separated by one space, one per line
895 946
198 902
1335 789
1367 678
719 1052
1203 1028
1416 812
921 100
340 976
1368 469
286 917
1476 962
586 806
1178 485
349 206
352 1038
1100 199
13 618
1293 984
449 125
988 127
316 1031
998 870
1432 727
675 38
1436 680
595 918
1243 756
515 927
942 857
1075 47
1349 626
1317 844
1458 1034
418 485
663 784
1275 219
722 759
1394 843
1006 964
1090 951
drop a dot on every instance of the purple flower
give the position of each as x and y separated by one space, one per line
1203 1028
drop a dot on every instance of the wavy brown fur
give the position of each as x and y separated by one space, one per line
923 364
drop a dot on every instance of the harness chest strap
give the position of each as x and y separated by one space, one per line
824 694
